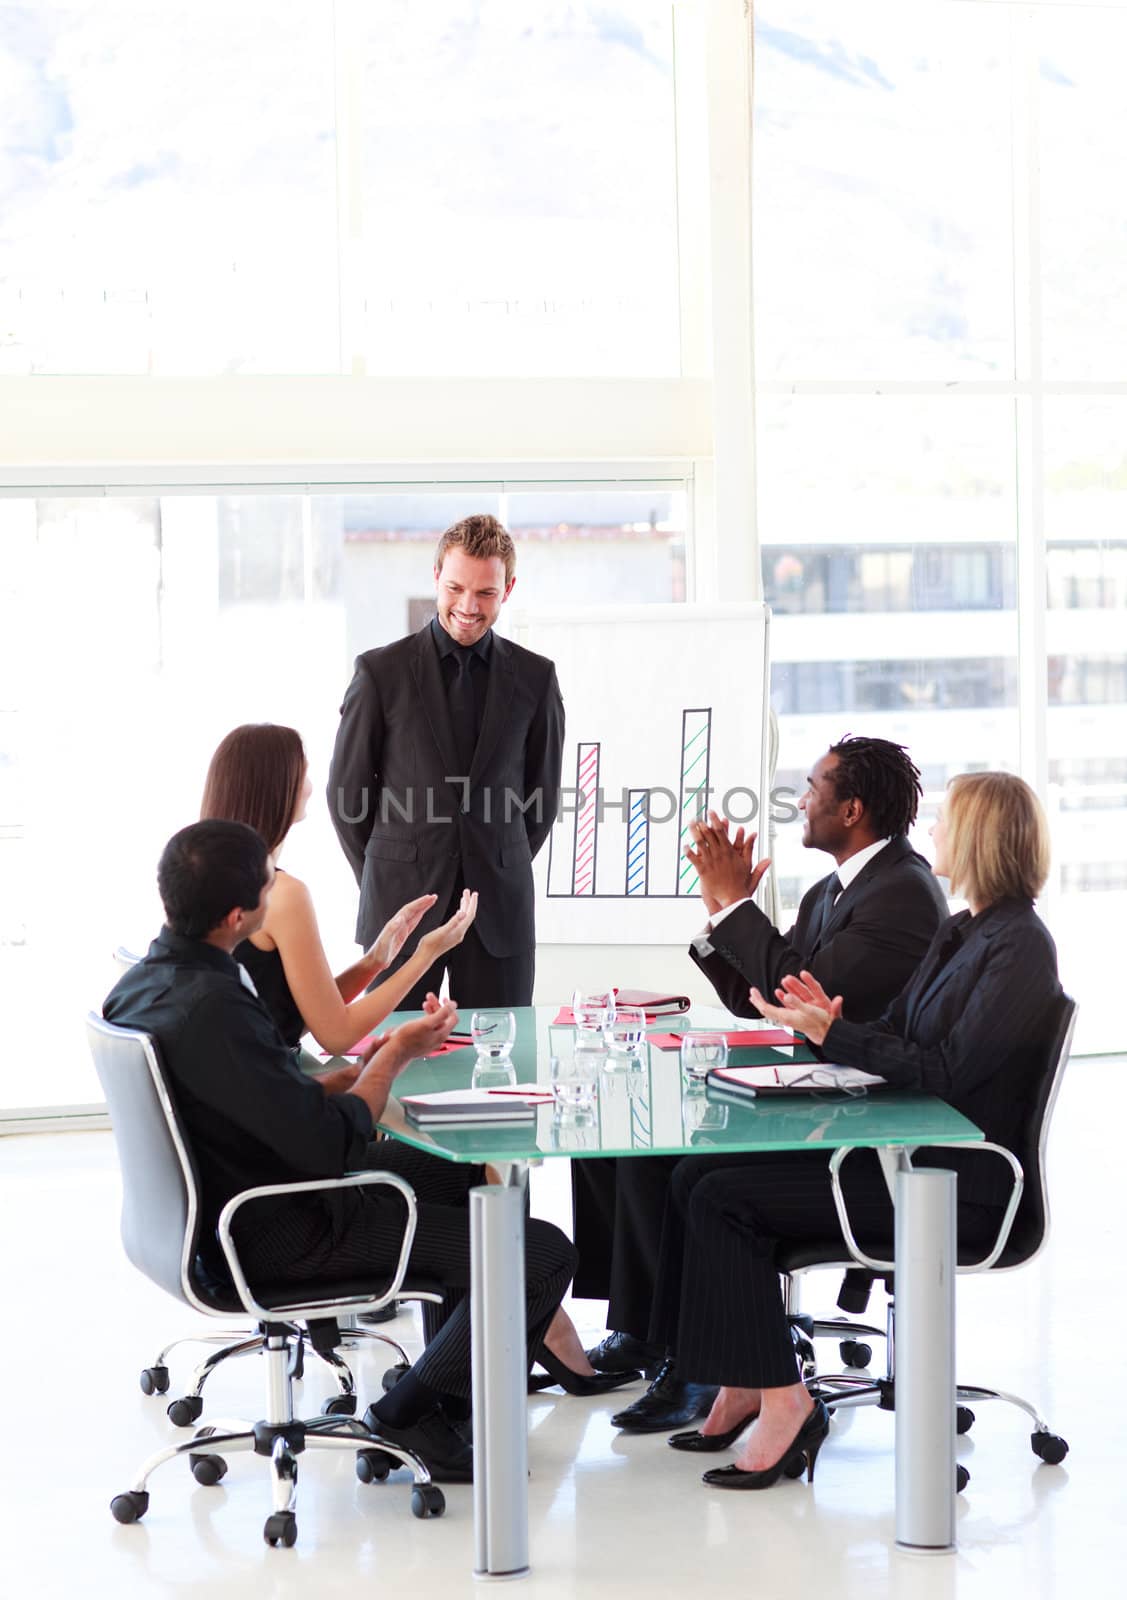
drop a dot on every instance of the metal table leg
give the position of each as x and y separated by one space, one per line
500 1428
925 1359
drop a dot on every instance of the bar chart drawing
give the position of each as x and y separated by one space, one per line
696 748
666 710
638 842
586 819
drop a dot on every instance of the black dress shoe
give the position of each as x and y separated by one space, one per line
801 1452
434 1439
582 1383
622 1352
668 1403
709 1442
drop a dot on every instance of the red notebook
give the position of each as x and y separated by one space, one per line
648 1000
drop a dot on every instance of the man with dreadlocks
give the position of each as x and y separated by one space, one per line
862 931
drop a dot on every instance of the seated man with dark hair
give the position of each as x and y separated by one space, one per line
252 1117
862 931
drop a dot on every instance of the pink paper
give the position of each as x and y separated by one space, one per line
752 1039
456 1041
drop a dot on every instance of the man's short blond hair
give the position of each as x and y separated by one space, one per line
998 843
482 537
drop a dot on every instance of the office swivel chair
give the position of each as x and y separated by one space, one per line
1021 1237
160 1231
186 1409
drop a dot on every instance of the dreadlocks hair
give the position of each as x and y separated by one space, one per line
885 779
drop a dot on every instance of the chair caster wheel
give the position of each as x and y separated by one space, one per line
855 1354
182 1413
341 1405
962 1478
207 1470
795 1468
130 1507
427 1500
281 1528
372 1466
154 1380
393 1374
964 1419
1050 1447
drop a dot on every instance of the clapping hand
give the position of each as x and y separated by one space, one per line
396 931
451 933
803 1004
723 865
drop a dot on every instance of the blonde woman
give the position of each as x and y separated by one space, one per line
259 775
970 1027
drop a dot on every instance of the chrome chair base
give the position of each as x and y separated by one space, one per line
283 1439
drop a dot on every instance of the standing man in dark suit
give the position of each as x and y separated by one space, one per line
446 772
862 931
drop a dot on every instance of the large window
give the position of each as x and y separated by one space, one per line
135 632
938 300
320 186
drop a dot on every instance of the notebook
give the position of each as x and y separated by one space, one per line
467 1107
749 1083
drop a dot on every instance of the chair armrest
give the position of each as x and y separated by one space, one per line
1012 1204
837 1160
352 1180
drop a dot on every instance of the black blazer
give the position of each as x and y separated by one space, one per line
972 1027
873 940
406 828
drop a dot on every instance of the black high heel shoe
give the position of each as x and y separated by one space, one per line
555 1372
709 1441
802 1451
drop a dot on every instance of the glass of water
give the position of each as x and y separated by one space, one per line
494 1034
702 1053
626 1031
593 1010
574 1081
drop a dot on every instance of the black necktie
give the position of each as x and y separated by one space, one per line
462 711
825 908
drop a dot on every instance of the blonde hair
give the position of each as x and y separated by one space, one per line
998 844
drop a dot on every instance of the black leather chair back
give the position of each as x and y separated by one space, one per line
1031 1225
159 1211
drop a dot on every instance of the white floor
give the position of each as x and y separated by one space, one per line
607 1513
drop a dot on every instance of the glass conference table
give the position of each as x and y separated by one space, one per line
643 1109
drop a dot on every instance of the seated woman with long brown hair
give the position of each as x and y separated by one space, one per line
259 775
971 1027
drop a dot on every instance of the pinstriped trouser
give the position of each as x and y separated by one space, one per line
302 1245
717 1301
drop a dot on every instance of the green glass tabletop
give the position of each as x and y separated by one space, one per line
643 1108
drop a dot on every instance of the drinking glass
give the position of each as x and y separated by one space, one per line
493 1034
626 1031
593 1010
701 1053
574 1082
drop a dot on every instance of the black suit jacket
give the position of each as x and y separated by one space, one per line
971 1027
873 940
251 1115
410 822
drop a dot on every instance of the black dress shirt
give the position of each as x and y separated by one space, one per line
250 1116
453 658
